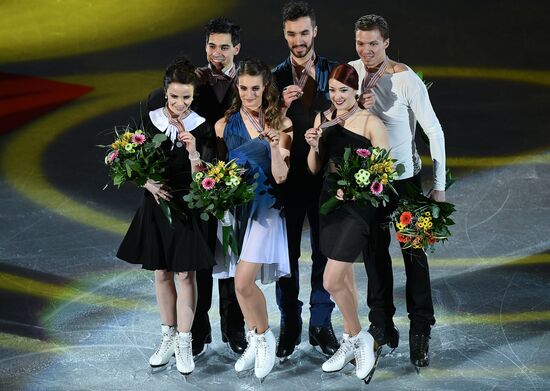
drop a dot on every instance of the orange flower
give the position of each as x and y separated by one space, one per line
432 240
401 238
405 218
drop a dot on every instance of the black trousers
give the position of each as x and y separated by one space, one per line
231 316
378 265
288 289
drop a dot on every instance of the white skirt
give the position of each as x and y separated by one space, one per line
265 242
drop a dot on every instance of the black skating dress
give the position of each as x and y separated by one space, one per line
151 241
344 232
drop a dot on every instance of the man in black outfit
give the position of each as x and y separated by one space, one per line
213 97
302 80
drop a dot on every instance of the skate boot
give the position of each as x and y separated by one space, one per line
419 344
184 354
246 361
385 336
165 350
265 354
343 355
365 357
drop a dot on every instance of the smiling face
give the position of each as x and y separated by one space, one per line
371 47
180 97
220 51
251 89
341 95
299 35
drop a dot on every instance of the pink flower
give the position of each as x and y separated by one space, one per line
208 183
112 156
376 188
138 139
363 152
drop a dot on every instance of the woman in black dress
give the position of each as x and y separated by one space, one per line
180 248
344 233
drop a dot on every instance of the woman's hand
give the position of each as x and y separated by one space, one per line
312 137
189 140
158 190
272 137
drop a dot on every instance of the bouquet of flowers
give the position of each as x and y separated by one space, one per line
216 190
135 157
363 176
421 222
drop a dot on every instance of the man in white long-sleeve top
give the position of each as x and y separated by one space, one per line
394 93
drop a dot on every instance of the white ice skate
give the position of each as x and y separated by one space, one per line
166 348
184 354
344 354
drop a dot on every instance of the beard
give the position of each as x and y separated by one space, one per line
305 53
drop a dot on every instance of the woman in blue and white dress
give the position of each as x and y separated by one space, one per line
173 250
258 136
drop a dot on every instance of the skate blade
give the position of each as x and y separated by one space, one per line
292 355
153 370
368 378
201 354
320 351
417 370
245 373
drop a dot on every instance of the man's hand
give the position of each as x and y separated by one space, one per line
291 93
437 195
366 100
204 74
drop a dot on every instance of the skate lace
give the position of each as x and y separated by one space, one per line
247 349
361 358
420 344
184 348
261 351
164 342
343 350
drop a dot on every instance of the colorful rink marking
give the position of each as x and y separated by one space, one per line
44 29
21 160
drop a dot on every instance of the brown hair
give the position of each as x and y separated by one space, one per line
373 22
270 98
345 74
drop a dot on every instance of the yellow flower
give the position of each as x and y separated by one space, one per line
427 213
400 226
384 179
233 166
127 136
232 173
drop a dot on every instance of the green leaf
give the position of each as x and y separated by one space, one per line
204 216
329 205
347 153
166 210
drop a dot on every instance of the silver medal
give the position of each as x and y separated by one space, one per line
179 144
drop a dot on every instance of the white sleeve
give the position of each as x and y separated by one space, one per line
419 102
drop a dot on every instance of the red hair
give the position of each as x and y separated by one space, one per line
345 74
